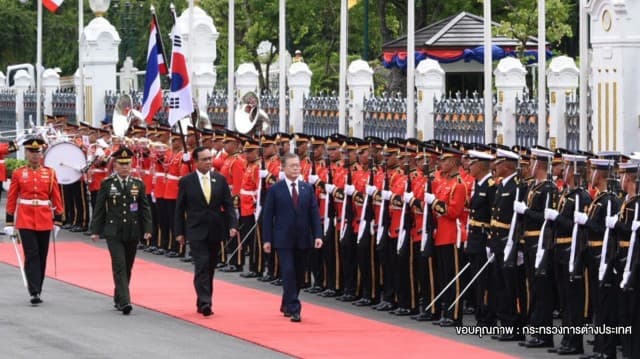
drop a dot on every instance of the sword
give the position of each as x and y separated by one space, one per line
363 226
605 243
489 260
514 221
242 241
632 242
574 238
14 240
541 250
447 286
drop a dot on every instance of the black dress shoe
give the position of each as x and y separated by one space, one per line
230 269
328 293
206 310
87 233
221 265
402 312
538 343
126 309
250 274
266 278
364 302
468 310
569 351
159 251
314 290
35 299
347 298
447 323
186 259
556 314
424 317
140 246
172 254
510 338
151 249
277 282
591 341
553 350
295 317
384 307
66 226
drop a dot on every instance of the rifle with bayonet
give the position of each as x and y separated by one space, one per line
329 203
510 250
546 234
577 244
383 218
630 268
425 244
347 214
261 183
606 243
405 214
367 209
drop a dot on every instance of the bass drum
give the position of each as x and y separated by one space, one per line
67 160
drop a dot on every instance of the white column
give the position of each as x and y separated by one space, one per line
510 81
128 76
299 85
203 52
247 79
542 71
360 81
562 79
50 83
21 83
99 48
342 76
430 82
78 83
583 35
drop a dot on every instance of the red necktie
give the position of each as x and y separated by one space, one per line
294 194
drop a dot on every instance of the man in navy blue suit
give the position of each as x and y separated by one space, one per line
291 223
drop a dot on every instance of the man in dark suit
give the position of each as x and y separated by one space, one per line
203 207
122 215
291 223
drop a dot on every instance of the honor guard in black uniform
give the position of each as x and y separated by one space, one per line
602 292
482 198
543 194
508 284
570 243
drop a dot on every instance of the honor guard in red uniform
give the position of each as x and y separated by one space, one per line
336 176
386 244
270 175
448 202
219 154
249 196
317 169
34 208
233 170
301 149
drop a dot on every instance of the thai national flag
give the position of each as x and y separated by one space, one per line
52 5
180 100
152 99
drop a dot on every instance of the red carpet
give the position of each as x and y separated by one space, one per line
250 314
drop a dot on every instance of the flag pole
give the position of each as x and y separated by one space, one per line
488 73
342 78
411 69
542 73
282 90
230 65
80 110
38 63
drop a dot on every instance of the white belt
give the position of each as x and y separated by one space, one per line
245 192
147 172
1 162
95 170
172 177
34 202
160 174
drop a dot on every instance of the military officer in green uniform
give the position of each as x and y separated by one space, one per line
122 215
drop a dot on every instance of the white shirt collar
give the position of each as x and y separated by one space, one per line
207 175
506 179
484 179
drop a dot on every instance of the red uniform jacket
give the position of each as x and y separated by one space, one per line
34 197
449 207
249 189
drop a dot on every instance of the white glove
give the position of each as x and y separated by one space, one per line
611 221
8 230
580 217
349 189
99 152
263 173
550 214
635 225
329 188
186 157
429 197
371 190
281 176
488 250
408 196
56 229
520 260
313 179
386 195
520 207
20 138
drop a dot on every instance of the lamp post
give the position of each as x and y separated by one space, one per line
127 14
